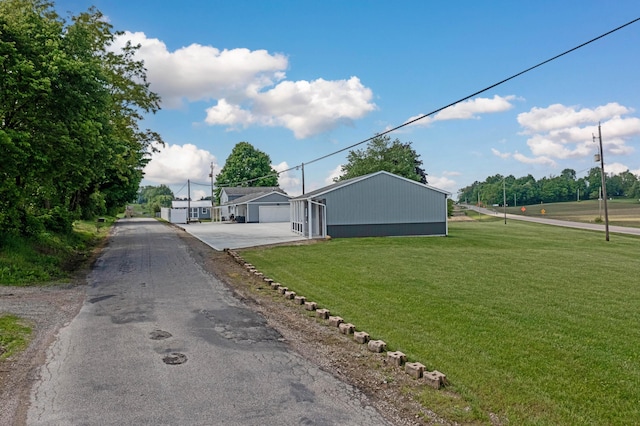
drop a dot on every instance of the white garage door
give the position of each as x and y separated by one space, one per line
274 214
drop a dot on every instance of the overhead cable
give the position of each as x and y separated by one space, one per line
444 107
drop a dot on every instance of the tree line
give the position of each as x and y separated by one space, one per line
70 108
566 187
248 166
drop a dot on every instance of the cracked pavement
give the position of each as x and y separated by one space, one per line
160 341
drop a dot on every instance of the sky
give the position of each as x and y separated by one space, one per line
302 79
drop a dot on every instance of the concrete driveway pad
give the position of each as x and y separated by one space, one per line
221 235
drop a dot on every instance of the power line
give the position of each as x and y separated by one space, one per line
446 106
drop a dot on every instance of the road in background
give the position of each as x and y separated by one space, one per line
160 341
556 222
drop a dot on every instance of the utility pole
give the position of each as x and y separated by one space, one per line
188 200
504 200
302 178
604 183
211 176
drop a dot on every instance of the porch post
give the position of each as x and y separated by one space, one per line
310 217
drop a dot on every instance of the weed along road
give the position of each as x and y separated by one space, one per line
160 341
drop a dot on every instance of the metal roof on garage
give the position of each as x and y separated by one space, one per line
343 183
255 197
246 190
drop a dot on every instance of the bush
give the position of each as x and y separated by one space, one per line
58 220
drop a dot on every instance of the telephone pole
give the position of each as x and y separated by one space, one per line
211 176
504 199
604 183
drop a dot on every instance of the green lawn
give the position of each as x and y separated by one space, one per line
537 324
14 335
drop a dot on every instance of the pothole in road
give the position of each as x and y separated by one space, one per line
159 335
237 324
175 358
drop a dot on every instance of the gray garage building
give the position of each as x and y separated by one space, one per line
377 204
253 204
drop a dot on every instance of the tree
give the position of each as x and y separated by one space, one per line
69 112
383 154
246 166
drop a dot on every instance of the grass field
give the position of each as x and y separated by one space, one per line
47 257
535 324
622 212
14 335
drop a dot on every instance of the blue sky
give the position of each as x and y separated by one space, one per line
302 79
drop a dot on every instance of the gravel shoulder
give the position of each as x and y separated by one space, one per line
52 307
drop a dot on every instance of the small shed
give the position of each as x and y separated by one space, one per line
373 205
197 209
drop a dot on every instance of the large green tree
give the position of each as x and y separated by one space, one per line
70 105
246 166
382 153
156 197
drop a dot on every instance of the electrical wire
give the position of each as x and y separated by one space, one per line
441 108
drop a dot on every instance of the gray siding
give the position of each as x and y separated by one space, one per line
387 230
384 199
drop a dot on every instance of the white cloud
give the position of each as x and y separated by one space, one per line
335 173
470 109
249 88
305 108
228 115
175 164
615 168
561 132
503 155
288 180
197 72
558 116
442 182
545 161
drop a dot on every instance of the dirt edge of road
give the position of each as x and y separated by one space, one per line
389 389
51 308
47 309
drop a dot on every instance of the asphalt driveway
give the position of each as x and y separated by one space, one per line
221 235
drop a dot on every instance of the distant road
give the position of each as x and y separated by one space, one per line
556 222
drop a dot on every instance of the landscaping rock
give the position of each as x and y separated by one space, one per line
361 337
347 328
322 313
435 379
377 346
310 306
289 294
414 369
396 358
282 289
299 300
335 321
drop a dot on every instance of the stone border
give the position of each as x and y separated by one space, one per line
434 379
